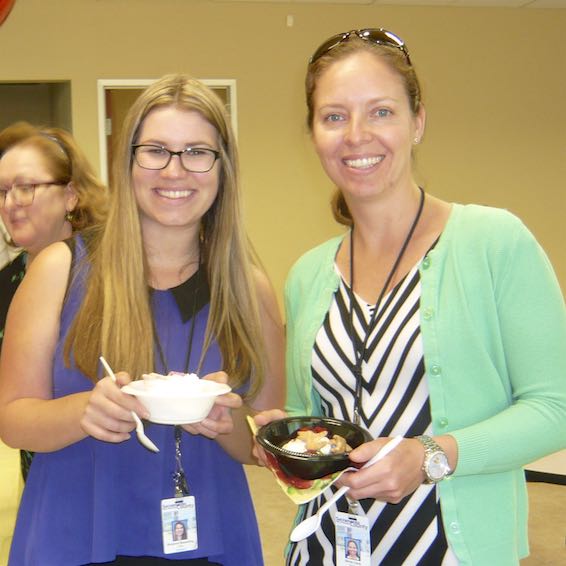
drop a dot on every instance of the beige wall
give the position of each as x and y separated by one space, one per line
495 90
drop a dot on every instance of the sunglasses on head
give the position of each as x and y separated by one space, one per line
379 36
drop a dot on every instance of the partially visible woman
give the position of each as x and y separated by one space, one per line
168 283
48 190
434 321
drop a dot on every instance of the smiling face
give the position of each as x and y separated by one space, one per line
43 222
352 548
363 127
179 531
173 197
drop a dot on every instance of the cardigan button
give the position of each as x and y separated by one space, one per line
426 262
428 313
455 528
435 370
443 422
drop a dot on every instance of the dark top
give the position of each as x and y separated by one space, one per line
11 276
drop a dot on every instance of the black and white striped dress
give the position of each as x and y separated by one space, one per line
395 401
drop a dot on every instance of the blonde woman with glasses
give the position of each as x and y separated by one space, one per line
169 283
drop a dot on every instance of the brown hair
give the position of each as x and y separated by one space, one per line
397 62
67 163
115 318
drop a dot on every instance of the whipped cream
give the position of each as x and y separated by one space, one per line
174 381
300 446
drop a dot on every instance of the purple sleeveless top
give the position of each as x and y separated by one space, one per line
95 500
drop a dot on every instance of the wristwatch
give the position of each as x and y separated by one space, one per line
435 465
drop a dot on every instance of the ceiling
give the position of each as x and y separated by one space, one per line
469 3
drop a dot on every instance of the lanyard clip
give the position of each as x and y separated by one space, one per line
181 487
357 415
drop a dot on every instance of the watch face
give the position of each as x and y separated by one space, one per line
438 466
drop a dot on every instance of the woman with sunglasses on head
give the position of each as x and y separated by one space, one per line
48 191
434 321
169 283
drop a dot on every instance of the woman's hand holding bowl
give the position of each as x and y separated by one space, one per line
260 419
219 420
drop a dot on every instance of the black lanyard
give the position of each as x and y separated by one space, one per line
160 351
179 477
361 348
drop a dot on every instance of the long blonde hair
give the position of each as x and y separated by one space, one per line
115 318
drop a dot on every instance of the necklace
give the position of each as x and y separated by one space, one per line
360 348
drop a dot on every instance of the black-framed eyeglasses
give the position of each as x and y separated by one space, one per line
23 193
193 159
374 35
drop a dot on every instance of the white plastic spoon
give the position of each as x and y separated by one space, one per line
145 440
308 526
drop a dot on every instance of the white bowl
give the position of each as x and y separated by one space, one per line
174 402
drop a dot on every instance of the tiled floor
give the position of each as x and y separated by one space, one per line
547 525
275 513
547 520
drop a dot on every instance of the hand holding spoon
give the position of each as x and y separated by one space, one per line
309 525
144 440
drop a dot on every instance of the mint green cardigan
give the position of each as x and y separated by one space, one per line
493 325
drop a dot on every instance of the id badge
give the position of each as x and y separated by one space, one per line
352 540
179 524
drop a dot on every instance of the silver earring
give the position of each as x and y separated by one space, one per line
69 216
416 140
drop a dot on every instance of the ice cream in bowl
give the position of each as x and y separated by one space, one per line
176 398
309 448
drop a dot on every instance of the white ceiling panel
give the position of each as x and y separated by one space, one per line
546 4
541 4
415 2
366 2
462 3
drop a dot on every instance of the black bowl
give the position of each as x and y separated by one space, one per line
308 466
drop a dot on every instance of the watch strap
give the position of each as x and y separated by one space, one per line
432 448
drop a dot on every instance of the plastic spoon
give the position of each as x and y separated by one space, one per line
144 440
308 526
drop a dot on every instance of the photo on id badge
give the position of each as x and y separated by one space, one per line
352 540
178 520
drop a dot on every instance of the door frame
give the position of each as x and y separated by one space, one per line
104 84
